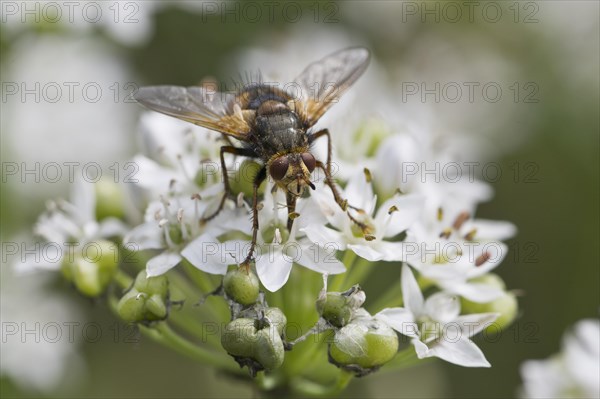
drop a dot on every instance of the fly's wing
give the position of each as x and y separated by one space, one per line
323 82
212 110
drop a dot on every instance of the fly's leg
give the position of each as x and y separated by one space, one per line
291 206
343 203
327 168
260 177
230 150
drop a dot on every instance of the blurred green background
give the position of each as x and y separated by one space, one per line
554 258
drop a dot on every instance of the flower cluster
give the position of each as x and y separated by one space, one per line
422 227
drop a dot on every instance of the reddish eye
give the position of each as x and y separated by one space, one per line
309 161
279 168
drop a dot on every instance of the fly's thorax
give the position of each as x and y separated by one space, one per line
291 171
278 129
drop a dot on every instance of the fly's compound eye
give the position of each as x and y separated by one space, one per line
309 160
279 167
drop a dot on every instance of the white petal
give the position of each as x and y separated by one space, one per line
442 307
83 198
411 293
208 254
462 352
162 263
476 292
322 236
490 229
409 209
111 227
472 324
145 236
392 251
359 193
273 268
401 320
366 252
319 259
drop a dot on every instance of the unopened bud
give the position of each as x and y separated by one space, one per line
363 346
241 286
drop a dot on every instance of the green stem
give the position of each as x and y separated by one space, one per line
338 280
163 334
123 279
358 271
307 387
390 298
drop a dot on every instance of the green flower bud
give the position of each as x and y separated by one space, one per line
239 337
363 346
86 277
241 286
338 308
269 351
146 301
110 201
131 307
276 318
158 285
92 271
507 305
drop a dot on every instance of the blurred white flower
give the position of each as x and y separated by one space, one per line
38 351
65 102
435 324
180 157
572 373
67 227
452 251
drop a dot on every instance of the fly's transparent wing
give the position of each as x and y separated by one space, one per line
198 105
323 82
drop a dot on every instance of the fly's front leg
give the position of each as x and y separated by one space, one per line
230 150
343 203
291 206
260 177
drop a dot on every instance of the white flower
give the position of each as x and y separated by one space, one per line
435 324
69 226
453 249
276 250
573 373
174 224
181 158
391 218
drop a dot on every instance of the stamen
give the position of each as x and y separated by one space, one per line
440 214
293 215
180 215
460 220
277 239
162 223
392 209
471 235
368 175
481 259
446 233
